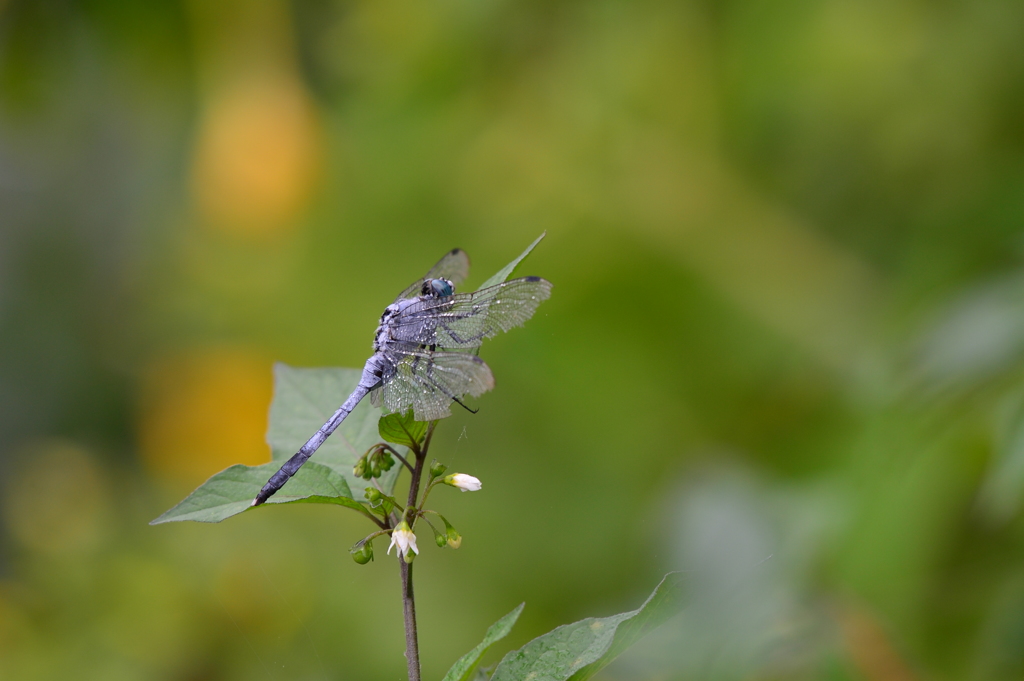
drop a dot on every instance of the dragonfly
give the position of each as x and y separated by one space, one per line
425 350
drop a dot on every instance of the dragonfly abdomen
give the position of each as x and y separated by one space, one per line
372 372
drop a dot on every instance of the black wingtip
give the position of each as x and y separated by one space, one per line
532 278
464 406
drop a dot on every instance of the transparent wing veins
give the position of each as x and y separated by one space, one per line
463 321
429 381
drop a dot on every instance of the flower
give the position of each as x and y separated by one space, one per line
404 539
467 483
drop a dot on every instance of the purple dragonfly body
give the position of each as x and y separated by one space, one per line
424 350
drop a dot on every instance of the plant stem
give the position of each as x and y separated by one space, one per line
417 473
412 646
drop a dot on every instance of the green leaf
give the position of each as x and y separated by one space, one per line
507 270
578 651
402 429
303 400
465 668
1003 486
230 492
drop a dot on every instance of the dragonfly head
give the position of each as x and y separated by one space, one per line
438 288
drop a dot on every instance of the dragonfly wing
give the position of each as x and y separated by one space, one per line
464 320
454 267
429 382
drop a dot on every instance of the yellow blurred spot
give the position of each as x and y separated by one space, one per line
56 501
257 157
869 645
146 613
263 596
202 412
13 624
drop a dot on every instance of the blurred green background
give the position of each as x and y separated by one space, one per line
784 353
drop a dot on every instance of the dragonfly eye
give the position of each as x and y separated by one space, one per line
438 288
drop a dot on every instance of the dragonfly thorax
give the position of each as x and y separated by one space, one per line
383 332
431 288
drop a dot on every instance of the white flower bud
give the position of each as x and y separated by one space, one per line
467 483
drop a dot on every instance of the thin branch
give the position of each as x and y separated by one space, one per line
371 537
430 434
426 493
414 483
395 453
422 514
412 646
372 517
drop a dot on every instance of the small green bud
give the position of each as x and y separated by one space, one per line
376 469
387 461
409 557
373 494
360 467
452 536
437 469
440 540
363 554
